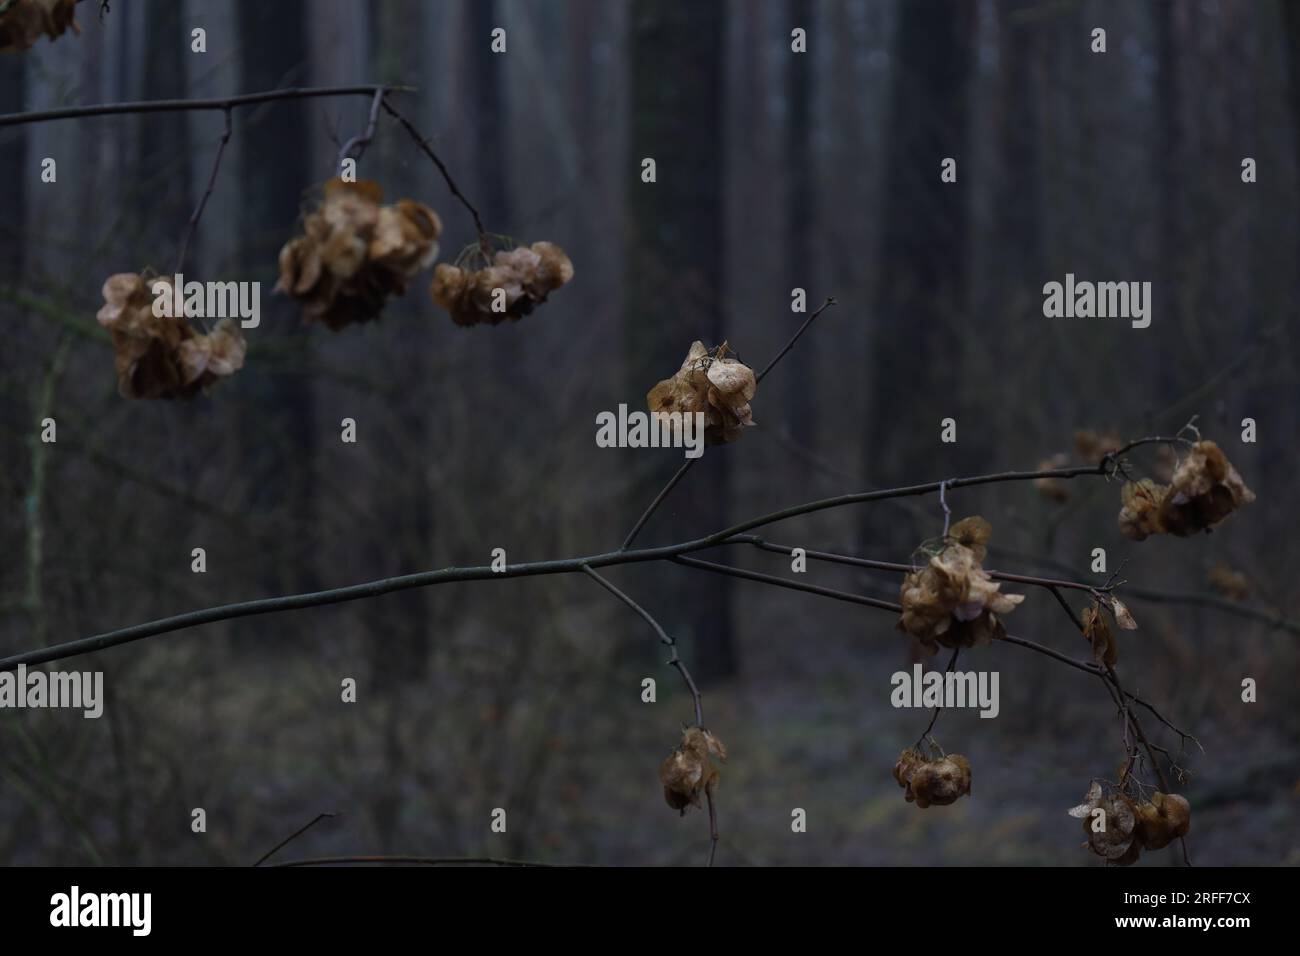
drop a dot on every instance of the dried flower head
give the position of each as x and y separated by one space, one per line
354 253
1097 631
937 782
711 382
510 287
1205 488
23 22
1140 515
162 356
952 601
1233 585
688 771
1126 827
1163 819
1112 832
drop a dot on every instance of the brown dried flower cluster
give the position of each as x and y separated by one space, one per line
1126 827
354 253
1204 490
709 382
688 771
938 781
23 22
952 600
1233 585
160 356
515 283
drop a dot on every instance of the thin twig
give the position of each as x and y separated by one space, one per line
442 168
673 661
713 825
792 585
952 662
292 836
173 106
830 301
828 556
203 200
355 146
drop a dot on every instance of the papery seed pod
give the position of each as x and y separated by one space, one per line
1163 819
160 355
688 771
23 22
1097 631
937 782
711 383
510 287
952 601
355 253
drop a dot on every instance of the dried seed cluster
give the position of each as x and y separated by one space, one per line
1204 490
160 356
688 771
711 382
23 22
1126 827
1233 585
952 601
938 781
524 276
355 252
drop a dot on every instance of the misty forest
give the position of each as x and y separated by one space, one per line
611 431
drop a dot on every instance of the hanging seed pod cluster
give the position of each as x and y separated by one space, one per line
355 252
688 772
1119 827
952 601
23 22
932 781
1205 489
713 383
510 287
163 356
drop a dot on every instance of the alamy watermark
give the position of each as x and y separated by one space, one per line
946 689
646 430
78 690
208 300
1103 300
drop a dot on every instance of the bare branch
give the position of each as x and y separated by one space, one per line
203 200
175 106
673 661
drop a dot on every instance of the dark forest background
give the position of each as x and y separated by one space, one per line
775 170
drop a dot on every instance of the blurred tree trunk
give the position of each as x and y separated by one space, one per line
799 163
922 254
13 88
674 287
280 425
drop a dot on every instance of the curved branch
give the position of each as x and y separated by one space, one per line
370 589
673 661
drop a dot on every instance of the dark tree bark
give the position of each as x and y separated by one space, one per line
799 161
674 282
275 174
922 255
